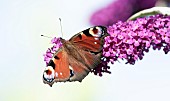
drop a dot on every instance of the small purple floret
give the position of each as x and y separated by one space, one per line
50 52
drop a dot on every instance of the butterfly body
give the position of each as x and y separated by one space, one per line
76 57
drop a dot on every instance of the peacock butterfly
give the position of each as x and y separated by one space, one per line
72 60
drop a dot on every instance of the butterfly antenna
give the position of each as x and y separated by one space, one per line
61 27
46 36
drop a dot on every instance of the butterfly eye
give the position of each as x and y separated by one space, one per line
48 74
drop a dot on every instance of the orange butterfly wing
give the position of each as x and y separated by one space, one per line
90 39
89 48
90 43
57 69
61 66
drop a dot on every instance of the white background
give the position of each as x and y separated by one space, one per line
22 48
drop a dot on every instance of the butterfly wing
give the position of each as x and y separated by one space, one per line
57 69
85 49
90 39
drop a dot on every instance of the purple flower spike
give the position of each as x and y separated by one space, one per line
51 51
132 39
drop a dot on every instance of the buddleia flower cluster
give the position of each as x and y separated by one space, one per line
130 40
51 51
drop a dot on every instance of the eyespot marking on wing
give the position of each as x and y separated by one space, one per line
96 31
48 74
